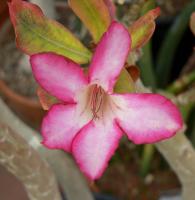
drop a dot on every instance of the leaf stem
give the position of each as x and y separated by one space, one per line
147 156
180 84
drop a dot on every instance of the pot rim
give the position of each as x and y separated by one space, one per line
6 91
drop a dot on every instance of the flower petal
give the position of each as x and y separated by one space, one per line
110 56
94 146
147 118
61 124
58 75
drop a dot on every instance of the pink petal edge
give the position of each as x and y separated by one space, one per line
110 56
94 146
147 118
58 75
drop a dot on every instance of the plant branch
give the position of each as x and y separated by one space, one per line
181 83
180 155
186 102
147 155
72 182
25 163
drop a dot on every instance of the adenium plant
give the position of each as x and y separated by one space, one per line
87 118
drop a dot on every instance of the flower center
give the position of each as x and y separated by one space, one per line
97 100
95 103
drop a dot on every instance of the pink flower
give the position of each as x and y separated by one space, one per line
92 119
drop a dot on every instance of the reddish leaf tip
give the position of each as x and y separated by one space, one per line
143 29
111 8
156 12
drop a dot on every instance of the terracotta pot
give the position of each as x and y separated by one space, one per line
3 12
30 111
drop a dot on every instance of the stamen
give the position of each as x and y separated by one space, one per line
96 100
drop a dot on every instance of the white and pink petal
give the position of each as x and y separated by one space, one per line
61 124
94 146
110 56
147 118
58 75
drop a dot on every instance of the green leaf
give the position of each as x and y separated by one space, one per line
35 33
147 67
124 83
146 61
94 14
169 46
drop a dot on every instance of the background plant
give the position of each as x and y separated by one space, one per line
180 90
